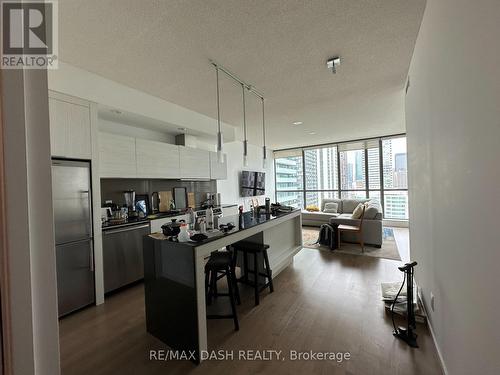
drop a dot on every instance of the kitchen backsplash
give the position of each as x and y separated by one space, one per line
113 188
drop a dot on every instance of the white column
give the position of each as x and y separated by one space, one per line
31 298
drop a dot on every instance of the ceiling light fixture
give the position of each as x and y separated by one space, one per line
333 63
253 91
312 133
297 123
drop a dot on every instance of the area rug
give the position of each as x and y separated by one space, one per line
389 249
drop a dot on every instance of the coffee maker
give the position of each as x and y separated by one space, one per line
129 196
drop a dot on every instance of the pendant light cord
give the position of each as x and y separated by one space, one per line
218 98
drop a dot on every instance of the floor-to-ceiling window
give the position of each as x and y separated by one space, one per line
321 177
289 177
371 168
395 178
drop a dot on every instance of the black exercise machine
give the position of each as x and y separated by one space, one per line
407 333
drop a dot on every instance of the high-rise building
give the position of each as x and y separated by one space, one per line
400 162
359 165
311 170
374 168
288 177
400 171
388 163
396 206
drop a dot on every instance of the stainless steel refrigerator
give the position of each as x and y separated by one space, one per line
71 194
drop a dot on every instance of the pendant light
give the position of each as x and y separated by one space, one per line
220 155
264 159
245 141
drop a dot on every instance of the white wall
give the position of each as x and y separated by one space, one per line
230 188
136 132
453 133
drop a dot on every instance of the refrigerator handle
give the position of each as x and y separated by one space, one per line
91 256
90 221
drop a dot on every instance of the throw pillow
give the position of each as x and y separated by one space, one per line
358 211
331 207
312 208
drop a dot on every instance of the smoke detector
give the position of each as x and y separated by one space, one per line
333 63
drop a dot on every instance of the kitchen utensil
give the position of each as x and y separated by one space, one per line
191 200
129 196
165 199
198 237
155 202
180 197
173 228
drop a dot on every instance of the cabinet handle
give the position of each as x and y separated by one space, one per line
126 229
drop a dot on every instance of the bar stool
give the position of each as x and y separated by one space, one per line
218 266
255 249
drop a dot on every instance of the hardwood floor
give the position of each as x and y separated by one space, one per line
323 302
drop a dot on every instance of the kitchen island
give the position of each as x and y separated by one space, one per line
174 277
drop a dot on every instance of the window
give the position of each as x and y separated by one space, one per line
373 168
394 163
314 198
321 168
289 180
290 198
289 173
395 178
352 170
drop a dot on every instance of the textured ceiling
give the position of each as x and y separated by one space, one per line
280 47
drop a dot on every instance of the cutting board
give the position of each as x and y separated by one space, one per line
165 199
191 200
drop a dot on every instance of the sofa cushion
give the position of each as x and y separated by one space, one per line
358 211
331 207
348 205
373 211
318 216
332 200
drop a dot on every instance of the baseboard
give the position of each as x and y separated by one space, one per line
395 223
429 324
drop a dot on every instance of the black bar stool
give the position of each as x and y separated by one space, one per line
218 266
255 249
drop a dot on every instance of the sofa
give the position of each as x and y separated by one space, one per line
372 223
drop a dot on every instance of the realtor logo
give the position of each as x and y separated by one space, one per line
29 34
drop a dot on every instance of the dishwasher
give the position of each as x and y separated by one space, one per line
122 255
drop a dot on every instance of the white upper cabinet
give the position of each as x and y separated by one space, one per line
194 163
218 171
70 135
117 156
156 159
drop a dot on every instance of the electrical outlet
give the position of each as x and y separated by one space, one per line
432 301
